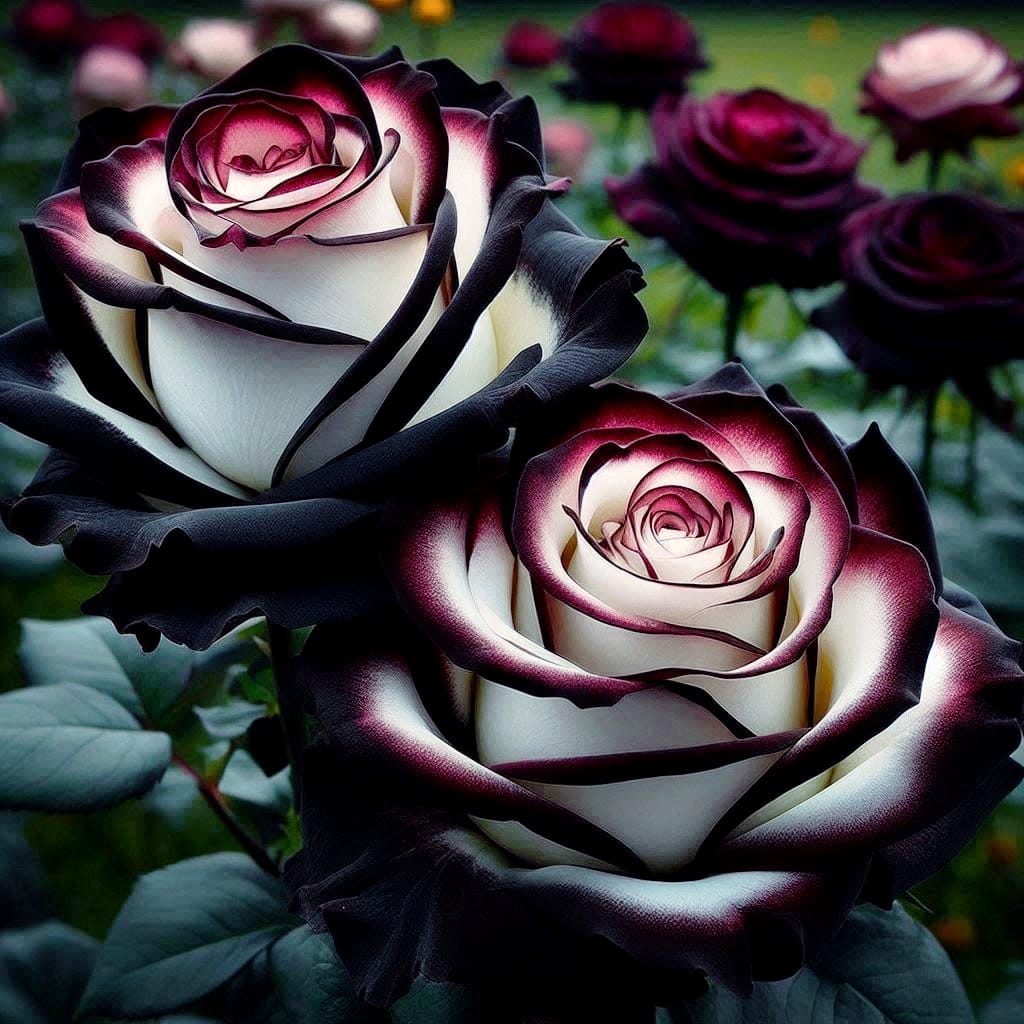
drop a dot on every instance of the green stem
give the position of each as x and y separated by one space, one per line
212 795
928 438
971 468
293 717
934 170
735 303
620 137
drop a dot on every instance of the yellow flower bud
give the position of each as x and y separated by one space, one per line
388 5
433 12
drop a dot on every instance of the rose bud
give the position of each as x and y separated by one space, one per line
567 144
107 76
934 290
528 44
266 311
688 679
214 47
126 32
749 188
940 88
344 26
48 30
630 54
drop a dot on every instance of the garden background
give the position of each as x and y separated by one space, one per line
817 55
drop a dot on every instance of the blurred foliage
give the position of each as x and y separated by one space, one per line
974 906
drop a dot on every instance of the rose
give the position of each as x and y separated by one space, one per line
273 307
343 26
127 32
748 188
528 44
48 30
107 76
6 105
215 47
706 689
567 144
934 290
630 54
939 88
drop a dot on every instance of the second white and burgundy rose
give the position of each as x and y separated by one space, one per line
687 678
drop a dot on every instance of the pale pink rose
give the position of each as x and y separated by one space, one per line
344 26
567 144
940 87
215 47
107 76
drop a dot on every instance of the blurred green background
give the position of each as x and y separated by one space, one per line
815 54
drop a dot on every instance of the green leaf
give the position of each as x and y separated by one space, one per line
24 894
184 931
72 748
882 968
43 970
1008 1006
431 1003
298 980
244 780
229 721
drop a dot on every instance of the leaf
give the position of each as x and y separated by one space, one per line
43 970
432 1003
1008 1006
72 748
184 931
24 894
229 721
298 980
882 968
244 780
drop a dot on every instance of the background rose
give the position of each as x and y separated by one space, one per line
630 54
528 44
214 47
749 188
48 30
934 290
128 32
108 76
343 26
941 87
706 679
298 264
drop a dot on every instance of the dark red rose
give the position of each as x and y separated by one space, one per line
749 188
125 32
940 87
631 54
530 45
934 288
48 30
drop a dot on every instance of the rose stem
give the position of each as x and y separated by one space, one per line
212 795
734 306
292 714
931 180
620 165
971 475
931 399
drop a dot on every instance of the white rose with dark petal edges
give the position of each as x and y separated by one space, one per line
318 273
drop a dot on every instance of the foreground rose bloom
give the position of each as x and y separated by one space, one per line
706 690
107 76
48 30
528 44
269 309
939 88
630 54
934 290
749 188
343 26
214 47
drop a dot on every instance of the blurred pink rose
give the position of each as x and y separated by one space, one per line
344 26
939 87
107 76
567 144
215 47
6 104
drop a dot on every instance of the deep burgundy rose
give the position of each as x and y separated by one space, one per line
749 188
48 30
934 289
528 44
271 308
939 88
689 685
630 54
128 32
